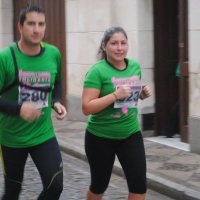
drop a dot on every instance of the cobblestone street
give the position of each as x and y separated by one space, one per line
76 181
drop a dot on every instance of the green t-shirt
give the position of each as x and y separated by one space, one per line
112 122
41 71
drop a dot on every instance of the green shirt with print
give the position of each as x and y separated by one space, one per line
112 122
39 71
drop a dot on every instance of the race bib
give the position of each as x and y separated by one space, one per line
131 101
37 97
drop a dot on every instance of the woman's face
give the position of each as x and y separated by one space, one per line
116 48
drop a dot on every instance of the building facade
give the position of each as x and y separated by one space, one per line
156 40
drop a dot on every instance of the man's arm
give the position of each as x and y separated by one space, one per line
9 107
56 93
56 101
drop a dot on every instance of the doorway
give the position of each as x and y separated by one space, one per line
168 87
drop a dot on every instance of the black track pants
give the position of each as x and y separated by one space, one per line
48 161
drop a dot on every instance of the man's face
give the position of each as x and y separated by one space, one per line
33 29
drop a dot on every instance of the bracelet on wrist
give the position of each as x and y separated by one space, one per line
115 95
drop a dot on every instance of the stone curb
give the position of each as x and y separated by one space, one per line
156 183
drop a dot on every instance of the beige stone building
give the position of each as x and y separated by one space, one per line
161 35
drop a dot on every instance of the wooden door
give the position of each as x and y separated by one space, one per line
166 60
55 30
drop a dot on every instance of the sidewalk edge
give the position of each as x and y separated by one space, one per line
154 182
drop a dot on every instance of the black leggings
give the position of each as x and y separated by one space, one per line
101 156
47 158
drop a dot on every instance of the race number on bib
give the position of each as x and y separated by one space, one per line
131 101
39 98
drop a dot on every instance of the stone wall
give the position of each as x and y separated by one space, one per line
86 21
194 75
6 23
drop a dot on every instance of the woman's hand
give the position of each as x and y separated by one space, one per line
123 92
146 92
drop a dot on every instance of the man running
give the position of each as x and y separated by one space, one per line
30 86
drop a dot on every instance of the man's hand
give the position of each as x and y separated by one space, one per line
60 110
29 112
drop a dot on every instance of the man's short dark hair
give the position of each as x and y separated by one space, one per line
29 8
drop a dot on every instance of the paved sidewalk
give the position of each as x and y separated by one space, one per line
170 171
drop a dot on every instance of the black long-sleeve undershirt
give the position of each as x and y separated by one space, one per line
9 107
57 92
